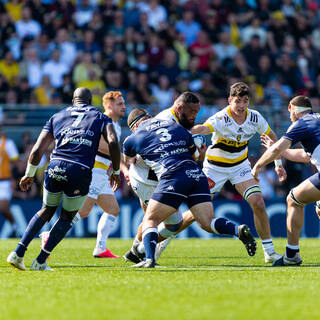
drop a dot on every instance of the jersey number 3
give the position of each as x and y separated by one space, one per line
165 135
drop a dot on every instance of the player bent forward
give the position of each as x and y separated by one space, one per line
167 148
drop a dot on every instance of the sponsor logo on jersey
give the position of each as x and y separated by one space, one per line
76 192
57 173
244 172
211 183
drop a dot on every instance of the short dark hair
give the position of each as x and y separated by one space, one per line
239 89
188 97
135 115
301 101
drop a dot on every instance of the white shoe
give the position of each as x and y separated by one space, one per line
161 246
16 261
40 267
270 258
44 236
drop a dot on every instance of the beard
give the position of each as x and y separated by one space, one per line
185 122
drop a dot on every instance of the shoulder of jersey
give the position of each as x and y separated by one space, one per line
254 115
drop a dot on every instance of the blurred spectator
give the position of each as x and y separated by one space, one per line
4 87
211 26
156 13
26 27
83 13
265 70
98 28
30 67
188 27
8 155
81 69
23 91
68 51
202 48
276 93
44 47
253 51
199 7
96 85
224 50
117 29
64 9
44 92
107 8
243 12
14 45
208 92
6 29
288 71
55 69
182 49
141 90
131 14
9 68
169 66
254 29
155 51
66 91
14 9
162 92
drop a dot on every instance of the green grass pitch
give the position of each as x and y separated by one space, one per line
197 279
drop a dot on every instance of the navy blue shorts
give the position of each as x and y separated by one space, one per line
186 184
315 180
70 178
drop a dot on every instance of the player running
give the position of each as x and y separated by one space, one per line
167 148
76 131
227 157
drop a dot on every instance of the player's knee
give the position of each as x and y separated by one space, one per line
258 205
46 213
67 215
292 199
168 230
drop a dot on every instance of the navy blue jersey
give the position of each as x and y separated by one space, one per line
77 131
162 144
307 131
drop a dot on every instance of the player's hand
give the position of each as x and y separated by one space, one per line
115 181
25 183
266 141
281 172
255 171
202 152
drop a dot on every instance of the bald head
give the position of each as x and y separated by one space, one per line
81 95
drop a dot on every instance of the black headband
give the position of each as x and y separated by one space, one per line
139 117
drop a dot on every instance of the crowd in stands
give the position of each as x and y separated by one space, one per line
153 50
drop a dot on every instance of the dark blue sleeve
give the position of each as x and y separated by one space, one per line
49 126
296 132
129 146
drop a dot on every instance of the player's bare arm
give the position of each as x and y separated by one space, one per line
296 155
201 129
110 136
42 144
271 154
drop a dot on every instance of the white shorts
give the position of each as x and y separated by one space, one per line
144 193
5 190
220 175
100 183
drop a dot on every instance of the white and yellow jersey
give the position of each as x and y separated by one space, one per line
229 139
103 161
167 114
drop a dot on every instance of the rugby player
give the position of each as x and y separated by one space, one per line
305 129
76 131
167 148
227 157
